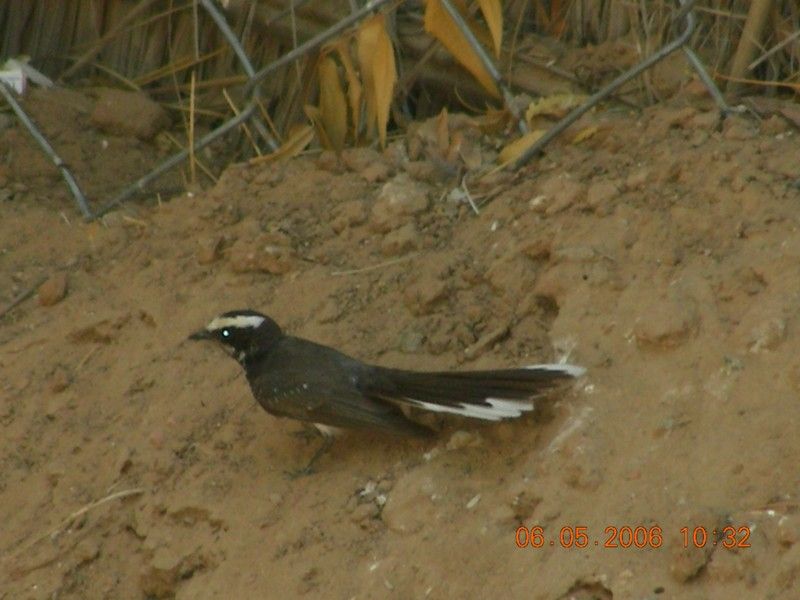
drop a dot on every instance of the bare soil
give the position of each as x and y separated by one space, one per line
661 252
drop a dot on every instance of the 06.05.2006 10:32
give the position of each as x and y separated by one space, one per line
639 537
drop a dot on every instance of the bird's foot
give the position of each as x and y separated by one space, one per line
293 474
309 468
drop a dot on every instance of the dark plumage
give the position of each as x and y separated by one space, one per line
300 379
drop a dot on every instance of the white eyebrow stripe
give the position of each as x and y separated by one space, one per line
238 322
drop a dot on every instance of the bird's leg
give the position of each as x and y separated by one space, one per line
307 433
327 442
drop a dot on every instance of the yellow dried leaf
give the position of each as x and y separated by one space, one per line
315 116
332 103
518 147
353 85
439 24
366 50
299 137
556 106
376 58
585 134
494 120
493 13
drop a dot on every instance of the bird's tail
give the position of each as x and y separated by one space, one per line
488 395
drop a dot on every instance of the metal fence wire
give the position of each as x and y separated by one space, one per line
684 15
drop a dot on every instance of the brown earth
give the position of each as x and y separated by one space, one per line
662 253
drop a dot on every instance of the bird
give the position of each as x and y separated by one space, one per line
303 380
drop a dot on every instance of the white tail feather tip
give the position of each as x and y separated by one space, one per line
572 370
498 408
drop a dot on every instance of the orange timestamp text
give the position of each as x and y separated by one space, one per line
641 537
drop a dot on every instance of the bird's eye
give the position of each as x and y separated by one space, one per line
226 333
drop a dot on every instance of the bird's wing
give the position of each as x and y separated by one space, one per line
309 382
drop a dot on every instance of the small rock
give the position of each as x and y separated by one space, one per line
582 477
121 112
698 138
503 515
59 380
268 175
328 161
638 179
330 311
160 578
561 193
209 250
788 530
601 193
422 296
537 248
361 158
101 332
767 335
364 513
400 241
398 199
86 551
665 324
53 290
486 341
705 120
464 439
411 341
275 259
262 254
473 502
410 506
376 172
679 117
425 170
157 438
774 125
349 214
687 562
738 129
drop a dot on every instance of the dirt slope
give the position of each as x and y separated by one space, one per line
661 253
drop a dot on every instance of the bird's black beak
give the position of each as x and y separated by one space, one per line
201 334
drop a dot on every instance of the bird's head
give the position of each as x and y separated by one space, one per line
243 333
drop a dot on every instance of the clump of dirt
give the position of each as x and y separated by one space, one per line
107 138
660 252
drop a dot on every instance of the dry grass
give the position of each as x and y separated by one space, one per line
175 52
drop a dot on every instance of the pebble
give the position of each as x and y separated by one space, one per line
399 198
400 241
486 341
422 296
666 323
767 335
59 380
209 250
261 255
122 112
601 193
464 439
410 508
376 172
364 513
638 179
560 194
53 290
349 214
